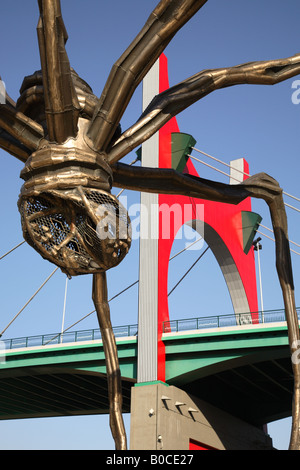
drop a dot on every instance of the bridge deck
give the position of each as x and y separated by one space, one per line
245 369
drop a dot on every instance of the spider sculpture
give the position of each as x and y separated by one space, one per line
71 144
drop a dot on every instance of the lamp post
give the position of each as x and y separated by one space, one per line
257 247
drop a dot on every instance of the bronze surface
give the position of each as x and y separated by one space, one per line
71 142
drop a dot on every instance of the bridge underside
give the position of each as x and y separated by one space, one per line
257 393
54 391
245 372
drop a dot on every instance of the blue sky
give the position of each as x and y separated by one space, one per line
258 123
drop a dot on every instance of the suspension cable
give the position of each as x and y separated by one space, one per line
236 179
124 290
193 265
13 249
273 240
93 311
291 207
239 171
31 298
130 164
270 230
220 161
220 171
213 167
186 248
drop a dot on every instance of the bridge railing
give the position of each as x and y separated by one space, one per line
66 337
269 316
172 326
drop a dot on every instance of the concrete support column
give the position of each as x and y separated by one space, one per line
167 418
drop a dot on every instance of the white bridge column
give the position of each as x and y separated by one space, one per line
148 268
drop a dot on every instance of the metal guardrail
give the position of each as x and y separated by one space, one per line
173 326
270 316
67 337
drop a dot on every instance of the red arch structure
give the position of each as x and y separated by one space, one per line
227 229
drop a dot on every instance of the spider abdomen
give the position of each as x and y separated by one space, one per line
67 211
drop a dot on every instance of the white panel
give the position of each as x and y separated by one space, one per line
236 171
151 85
148 275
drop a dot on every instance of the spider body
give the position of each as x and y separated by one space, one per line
67 211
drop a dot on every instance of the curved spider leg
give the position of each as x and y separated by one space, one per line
112 363
4 97
7 142
61 103
32 97
20 127
13 146
164 22
169 181
259 186
179 97
19 135
262 186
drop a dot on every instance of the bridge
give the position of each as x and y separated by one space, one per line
244 369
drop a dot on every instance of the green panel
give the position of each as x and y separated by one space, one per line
250 224
77 355
73 375
153 382
226 339
190 356
181 146
128 370
139 153
181 369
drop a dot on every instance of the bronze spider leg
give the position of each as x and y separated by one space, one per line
61 103
13 146
19 134
259 186
111 358
8 141
179 97
164 22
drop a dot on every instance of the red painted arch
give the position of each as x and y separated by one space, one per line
225 231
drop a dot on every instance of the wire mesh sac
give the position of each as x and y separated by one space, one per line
84 231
